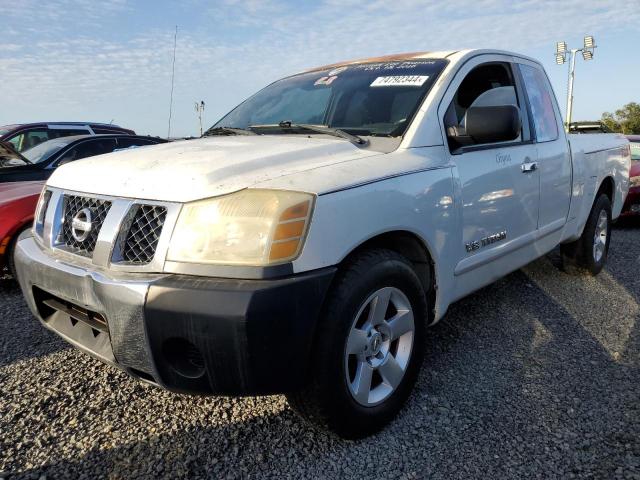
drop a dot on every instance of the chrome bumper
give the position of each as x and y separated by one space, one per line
120 300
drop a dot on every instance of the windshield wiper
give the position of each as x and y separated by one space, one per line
227 131
336 132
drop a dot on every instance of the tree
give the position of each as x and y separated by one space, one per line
625 120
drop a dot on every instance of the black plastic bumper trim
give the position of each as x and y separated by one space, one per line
254 336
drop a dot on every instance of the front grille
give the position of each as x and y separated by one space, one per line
142 238
71 206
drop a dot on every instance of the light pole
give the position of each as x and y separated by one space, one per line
561 56
199 110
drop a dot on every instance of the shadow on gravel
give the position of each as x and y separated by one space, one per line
624 223
21 335
7 283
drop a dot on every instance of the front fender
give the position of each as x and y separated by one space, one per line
420 202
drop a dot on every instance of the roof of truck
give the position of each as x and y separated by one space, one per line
387 58
454 55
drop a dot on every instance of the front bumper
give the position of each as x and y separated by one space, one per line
187 334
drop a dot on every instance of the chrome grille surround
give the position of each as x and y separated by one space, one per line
106 252
41 210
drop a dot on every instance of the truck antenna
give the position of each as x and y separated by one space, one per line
173 73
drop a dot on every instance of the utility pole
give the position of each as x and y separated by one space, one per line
173 74
561 57
200 110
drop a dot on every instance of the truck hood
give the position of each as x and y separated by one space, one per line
194 169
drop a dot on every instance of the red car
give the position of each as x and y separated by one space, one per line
18 202
632 204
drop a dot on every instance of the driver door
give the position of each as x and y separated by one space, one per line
499 183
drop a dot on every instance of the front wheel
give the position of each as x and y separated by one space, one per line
369 346
589 252
11 253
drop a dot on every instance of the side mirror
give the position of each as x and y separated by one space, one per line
493 124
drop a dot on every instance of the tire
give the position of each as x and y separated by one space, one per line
11 264
589 253
332 398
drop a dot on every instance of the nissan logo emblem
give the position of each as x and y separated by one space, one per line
81 225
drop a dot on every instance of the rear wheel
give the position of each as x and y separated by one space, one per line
589 252
369 346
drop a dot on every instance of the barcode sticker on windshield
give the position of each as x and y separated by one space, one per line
400 81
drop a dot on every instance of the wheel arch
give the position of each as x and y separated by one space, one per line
415 249
10 240
607 186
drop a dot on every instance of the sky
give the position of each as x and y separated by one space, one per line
111 61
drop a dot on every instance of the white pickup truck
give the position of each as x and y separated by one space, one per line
304 244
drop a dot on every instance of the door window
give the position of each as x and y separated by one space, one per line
28 139
487 85
541 101
89 148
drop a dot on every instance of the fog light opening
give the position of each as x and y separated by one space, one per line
184 357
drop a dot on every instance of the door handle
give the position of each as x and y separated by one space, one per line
529 167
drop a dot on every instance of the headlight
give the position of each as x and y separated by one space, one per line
250 227
634 182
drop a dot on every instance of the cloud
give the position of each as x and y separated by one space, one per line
77 59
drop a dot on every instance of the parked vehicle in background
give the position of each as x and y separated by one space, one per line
305 243
17 207
39 162
632 204
589 127
8 154
28 135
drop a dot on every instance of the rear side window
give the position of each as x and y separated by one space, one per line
103 130
541 101
635 151
90 148
66 132
133 142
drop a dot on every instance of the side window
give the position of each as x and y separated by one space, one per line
106 131
28 139
89 148
487 85
66 132
133 142
541 101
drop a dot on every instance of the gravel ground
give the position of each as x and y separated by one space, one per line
535 376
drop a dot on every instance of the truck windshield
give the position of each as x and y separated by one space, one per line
377 99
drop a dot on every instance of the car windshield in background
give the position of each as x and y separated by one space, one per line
43 151
363 99
635 151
